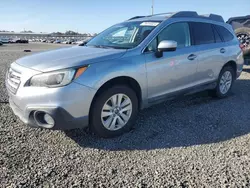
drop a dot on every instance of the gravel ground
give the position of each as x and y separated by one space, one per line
196 141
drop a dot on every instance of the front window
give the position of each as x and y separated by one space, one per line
123 36
178 32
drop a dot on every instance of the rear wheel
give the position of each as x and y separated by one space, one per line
114 111
225 82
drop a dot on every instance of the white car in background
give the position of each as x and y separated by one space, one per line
5 40
79 42
57 42
83 42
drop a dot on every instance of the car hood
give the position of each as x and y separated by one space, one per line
68 57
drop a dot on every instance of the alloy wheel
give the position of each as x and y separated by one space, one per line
116 112
226 82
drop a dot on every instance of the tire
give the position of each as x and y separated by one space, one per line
218 91
97 120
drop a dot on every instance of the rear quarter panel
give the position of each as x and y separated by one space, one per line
234 53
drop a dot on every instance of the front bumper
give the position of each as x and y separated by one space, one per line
69 106
63 119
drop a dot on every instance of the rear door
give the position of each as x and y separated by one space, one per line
210 51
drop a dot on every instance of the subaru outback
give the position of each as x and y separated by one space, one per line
130 66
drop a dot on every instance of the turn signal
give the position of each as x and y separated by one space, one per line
80 71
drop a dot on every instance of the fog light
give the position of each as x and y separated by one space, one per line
49 120
43 119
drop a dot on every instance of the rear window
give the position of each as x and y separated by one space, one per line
203 33
224 33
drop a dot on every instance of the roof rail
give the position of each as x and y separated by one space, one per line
136 17
194 14
214 17
160 14
184 14
189 14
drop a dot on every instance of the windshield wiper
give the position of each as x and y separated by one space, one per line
99 46
114 47
119 47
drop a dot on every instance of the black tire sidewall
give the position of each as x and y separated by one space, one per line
218 92
96 125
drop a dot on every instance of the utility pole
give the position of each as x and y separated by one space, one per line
152 7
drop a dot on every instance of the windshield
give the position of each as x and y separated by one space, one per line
123 36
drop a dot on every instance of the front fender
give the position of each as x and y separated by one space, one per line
99 73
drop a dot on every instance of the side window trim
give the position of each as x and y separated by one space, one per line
191 33
215 30
211 25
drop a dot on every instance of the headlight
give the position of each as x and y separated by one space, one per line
56 78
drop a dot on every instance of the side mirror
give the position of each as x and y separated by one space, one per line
165 46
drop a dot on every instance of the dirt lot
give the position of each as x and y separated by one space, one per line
196 141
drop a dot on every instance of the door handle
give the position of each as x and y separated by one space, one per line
192 57
222 50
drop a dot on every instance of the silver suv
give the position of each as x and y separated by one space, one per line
129 66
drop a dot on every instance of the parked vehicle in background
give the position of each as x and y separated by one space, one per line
5 40
1 43
22 41
64 42
241 26
79 42
70 41
83 42
130 66
51 41
13 40
57 41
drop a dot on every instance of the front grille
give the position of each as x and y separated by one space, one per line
13 80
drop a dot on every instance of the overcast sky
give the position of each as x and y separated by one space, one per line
96 15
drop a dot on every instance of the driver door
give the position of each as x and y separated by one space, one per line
175 70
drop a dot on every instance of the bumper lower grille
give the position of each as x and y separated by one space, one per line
13 80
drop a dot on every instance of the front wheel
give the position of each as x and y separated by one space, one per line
114 111
225 82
